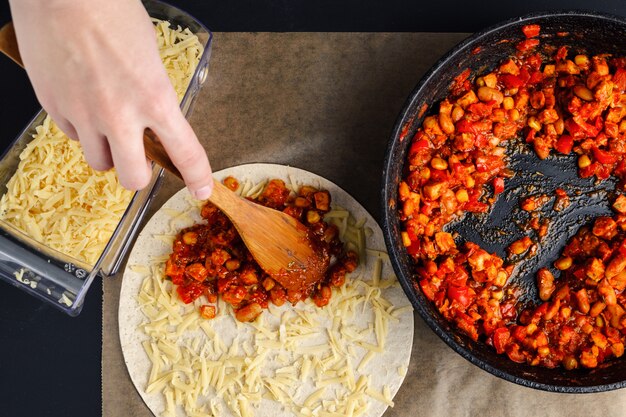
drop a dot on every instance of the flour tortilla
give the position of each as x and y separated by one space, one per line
386 368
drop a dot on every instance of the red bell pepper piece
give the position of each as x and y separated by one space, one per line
619 79
460 294
604 157
531 31
419 145
501 337
564 144
527 45
498 185
561 53
188 293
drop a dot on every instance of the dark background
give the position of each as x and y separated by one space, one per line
49 362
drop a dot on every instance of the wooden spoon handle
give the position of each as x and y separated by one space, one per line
221 196
155 151
8 43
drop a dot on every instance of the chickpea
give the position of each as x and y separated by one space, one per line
233 264
190 238
534 124
462 196
231 183
520 246
249 312
508 103
446 123
487 94
545 283
304 202
457 113
583 301
563 263
584 161
583 92
569 362
581 60
268 283
313 216
439 164
597 308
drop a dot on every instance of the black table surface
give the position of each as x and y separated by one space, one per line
49 362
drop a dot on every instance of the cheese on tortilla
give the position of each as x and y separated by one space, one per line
313 361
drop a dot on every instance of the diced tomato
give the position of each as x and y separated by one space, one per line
574 129
414 248
508 311
535 77
531 31
467 325
511 81
564 144
619 79
501 337
498 185
515 354
174 271
518 333
620 168
488 163
604 157
527 45
534 62
480 109
460 79
622 247
419 145
461 294
603 171
188 293
474 206
427 289
197 271
561 53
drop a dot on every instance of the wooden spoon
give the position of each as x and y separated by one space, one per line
278 242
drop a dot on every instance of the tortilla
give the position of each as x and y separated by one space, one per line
387 369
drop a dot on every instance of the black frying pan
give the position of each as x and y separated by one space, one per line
589 33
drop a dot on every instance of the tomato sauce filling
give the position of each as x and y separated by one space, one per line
557 102
210 260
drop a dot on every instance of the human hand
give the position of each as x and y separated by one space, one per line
95 68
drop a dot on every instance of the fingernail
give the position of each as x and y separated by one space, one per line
204 192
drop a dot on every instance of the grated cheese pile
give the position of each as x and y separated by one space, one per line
180 52
56 198
313 361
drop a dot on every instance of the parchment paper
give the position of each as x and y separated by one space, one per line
327 102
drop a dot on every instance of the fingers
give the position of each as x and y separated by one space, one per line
66 127
96 150
129 158
186 152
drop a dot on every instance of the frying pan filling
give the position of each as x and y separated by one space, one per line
556 102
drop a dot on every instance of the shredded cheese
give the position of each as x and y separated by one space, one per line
311 360
56 198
